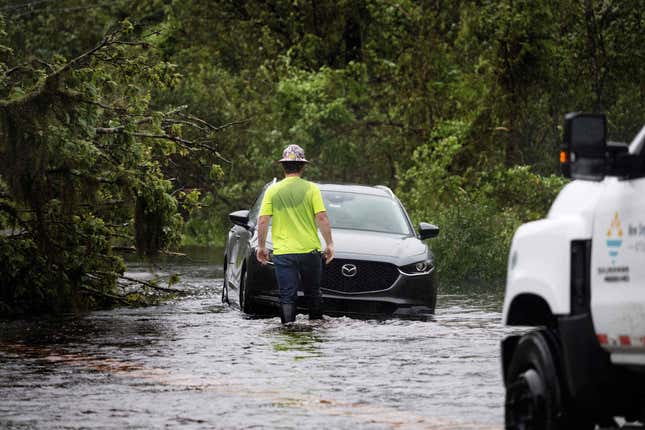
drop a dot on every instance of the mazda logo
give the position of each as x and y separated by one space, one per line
349 270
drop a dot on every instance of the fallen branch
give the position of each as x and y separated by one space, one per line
214 127
120 299
153 286
128 249
188 144
173 254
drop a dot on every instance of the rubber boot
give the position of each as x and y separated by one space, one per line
287 313
315 308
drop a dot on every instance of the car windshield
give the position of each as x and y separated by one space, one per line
365 212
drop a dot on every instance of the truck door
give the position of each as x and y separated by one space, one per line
618 270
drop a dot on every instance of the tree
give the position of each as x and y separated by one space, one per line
82 154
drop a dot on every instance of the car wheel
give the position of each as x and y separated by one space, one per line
533 389
246 302
225 285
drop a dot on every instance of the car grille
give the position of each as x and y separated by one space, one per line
370 276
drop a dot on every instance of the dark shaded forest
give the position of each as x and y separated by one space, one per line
142 124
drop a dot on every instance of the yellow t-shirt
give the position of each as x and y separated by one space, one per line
293 203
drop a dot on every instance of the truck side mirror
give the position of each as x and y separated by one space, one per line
583 155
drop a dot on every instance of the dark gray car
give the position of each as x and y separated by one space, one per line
382 265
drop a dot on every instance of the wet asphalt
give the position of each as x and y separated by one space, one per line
195 363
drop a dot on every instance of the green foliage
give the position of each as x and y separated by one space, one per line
156 220
447 102
370 88
520 192
477 210
202 228
82 158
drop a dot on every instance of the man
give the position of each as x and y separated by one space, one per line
296 206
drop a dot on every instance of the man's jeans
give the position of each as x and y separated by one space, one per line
293 269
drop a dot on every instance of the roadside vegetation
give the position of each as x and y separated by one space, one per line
142 124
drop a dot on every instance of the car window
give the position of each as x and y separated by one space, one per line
365 212
255 209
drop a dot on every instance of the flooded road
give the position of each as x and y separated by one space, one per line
197 364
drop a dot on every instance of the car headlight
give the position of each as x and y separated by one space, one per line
418 267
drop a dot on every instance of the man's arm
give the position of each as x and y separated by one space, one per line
325 228
262 253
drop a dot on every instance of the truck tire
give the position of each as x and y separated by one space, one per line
533 387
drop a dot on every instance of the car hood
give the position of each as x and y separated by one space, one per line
370 245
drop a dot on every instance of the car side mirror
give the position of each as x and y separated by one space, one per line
427 231
240 218
583 155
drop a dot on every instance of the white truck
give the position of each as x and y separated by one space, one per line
578 277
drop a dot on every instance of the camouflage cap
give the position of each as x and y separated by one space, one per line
293 153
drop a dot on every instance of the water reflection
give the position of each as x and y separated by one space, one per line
98 328
299 337
195 363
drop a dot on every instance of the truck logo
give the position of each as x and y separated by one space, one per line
614 237
614 241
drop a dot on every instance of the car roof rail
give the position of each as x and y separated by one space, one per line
386 189
268 184
637 144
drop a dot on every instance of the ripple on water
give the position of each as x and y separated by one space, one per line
195 363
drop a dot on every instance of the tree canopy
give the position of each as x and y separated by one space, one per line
147 122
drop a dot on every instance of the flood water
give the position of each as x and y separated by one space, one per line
195 363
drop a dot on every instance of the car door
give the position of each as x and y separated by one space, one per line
618 270
246 237
232 270
238 245
246 234
264 283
